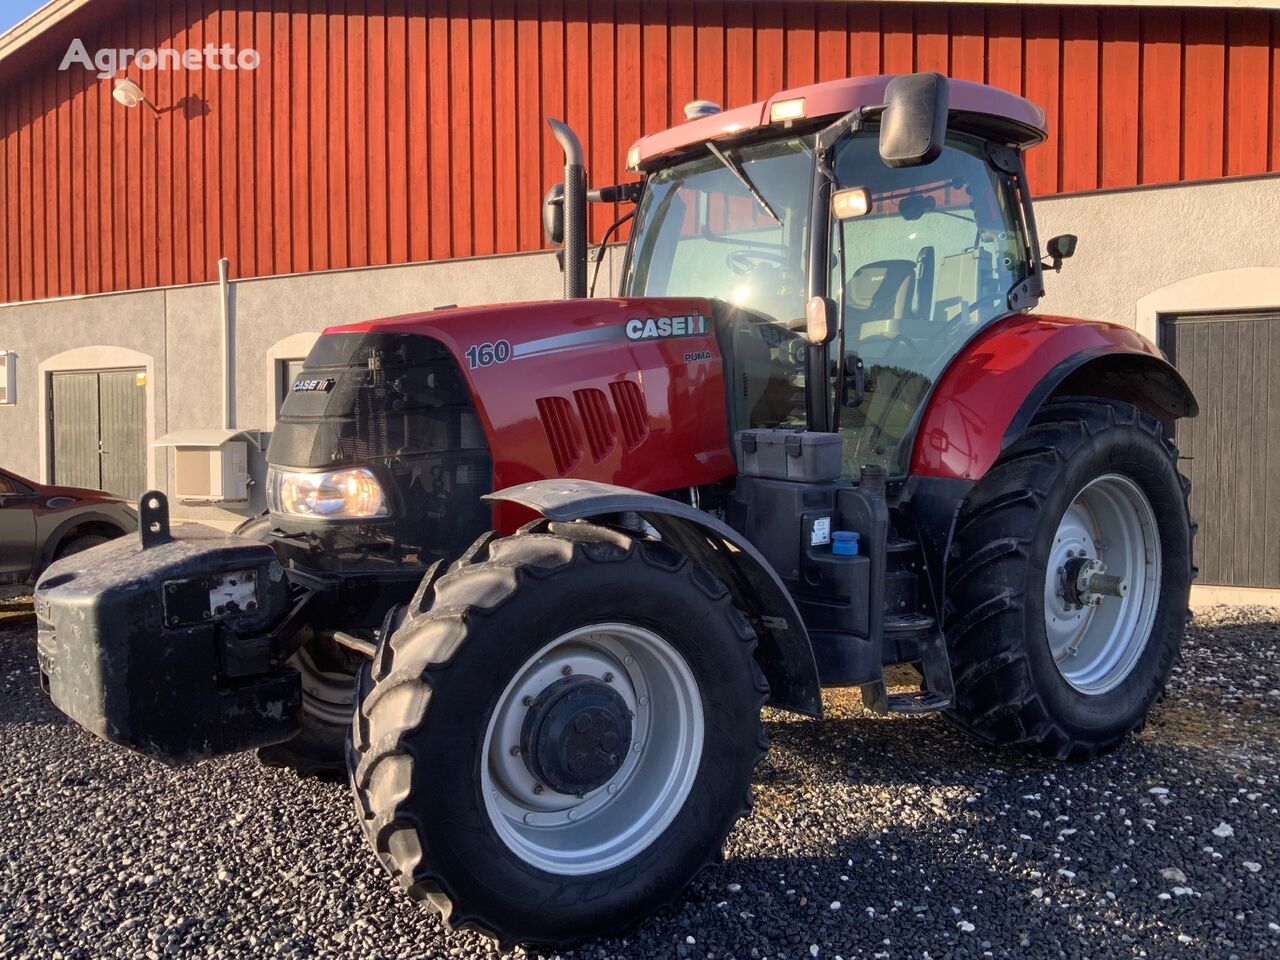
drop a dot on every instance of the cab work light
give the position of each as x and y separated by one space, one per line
786 110
851 202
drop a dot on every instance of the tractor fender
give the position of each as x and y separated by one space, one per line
990 392
783 652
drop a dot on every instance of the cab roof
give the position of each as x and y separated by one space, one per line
991 111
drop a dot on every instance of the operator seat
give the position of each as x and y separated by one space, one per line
879 297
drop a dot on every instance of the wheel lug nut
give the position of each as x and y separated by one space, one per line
538 788
566 670
608 677
515 751
526 701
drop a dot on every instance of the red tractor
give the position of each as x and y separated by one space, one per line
530 571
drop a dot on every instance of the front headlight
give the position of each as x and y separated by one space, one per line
342 494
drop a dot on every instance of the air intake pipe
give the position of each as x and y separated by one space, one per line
575 211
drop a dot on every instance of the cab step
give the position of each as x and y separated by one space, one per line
916 701
911 626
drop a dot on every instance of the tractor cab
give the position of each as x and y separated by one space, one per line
914 253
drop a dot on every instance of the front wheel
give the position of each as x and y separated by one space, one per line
559 734
1069 580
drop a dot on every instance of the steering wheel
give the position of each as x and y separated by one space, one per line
743 262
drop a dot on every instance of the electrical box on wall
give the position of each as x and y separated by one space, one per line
8 377
211 466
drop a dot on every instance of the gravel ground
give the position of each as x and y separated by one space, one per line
870 838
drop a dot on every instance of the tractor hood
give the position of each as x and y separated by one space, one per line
627 391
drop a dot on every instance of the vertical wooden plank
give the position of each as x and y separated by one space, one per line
359 173
1161 96
409 185
969 43
76 201
59 196
1042 39
320 112
300 134
439 130
740 60
1273 89
711 76
1248 79
630 106
535 150
898 39
13 202
602 145
6 276
769 51
165 169
504 85
552 97
1119 98
833 41
864 39
381 94
1080 101
482 145
933 47
49 185
1204 94
245 145
26 193
1004 50
800 61
663 32
459 94
680 58
228 186
335 145
280 69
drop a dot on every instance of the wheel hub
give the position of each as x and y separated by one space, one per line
576 735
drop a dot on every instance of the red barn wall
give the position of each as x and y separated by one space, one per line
384 131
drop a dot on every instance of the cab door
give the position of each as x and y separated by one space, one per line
17 531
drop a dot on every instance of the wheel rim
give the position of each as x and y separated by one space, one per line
576 834
327 695
1096 639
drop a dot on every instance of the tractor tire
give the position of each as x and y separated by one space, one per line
480 788
1040 658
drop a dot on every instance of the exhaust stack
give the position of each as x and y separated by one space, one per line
575 211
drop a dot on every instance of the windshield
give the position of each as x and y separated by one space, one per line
701 232
930 263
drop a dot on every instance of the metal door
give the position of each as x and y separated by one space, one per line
123 405
1232 450
98 425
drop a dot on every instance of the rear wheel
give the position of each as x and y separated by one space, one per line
1069 580
560 733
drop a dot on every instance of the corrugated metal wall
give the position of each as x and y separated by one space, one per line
384 131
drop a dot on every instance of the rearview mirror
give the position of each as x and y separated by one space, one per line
913 126
1060 248
819 320
553 215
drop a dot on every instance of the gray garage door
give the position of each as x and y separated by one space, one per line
99 428
1233 447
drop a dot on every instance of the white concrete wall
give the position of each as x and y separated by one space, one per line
1141 253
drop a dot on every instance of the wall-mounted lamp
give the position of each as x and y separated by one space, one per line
129 94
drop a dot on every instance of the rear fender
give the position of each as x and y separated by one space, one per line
990 393
784 653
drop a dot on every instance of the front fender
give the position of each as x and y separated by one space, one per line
990 392
784 652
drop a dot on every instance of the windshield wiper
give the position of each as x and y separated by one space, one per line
736 169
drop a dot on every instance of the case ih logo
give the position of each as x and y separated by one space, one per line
655 328
313 386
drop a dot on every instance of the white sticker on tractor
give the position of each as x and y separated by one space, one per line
821 532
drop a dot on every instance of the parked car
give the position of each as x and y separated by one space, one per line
40 524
